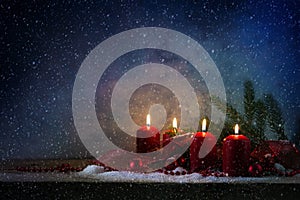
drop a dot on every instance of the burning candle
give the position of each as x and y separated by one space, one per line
164 138
236 154
203 155
175 125
146 138
173 130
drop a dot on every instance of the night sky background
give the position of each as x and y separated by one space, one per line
43 44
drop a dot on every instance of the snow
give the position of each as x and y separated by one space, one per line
126 176
94 173
92 169
179 169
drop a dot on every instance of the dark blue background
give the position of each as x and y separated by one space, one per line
43 44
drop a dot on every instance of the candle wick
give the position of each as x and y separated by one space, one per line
175 130
148 126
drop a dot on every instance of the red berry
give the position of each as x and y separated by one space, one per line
78 169
255 170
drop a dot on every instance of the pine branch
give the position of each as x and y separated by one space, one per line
274 117
260 118
257 115
249 101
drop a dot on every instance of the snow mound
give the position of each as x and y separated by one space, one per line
180 170
126 176
92 170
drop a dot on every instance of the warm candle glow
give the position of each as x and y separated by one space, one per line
148 120
204 125
236 129
174 122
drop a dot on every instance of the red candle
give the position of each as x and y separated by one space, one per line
147 138
236 154
203 156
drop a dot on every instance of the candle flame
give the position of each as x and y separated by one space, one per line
174 122
148 120
236 129
204 125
